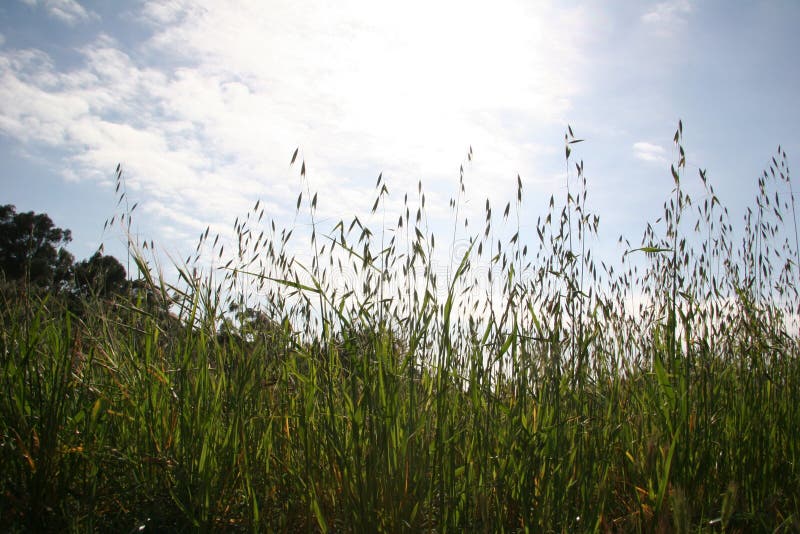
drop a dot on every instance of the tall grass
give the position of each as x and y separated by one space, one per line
530 390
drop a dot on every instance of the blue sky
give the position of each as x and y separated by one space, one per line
203 105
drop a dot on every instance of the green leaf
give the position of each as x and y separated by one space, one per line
509 340
323 525
651 250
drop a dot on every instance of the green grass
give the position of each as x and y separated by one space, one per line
543 394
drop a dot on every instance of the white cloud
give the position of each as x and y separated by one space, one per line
666 16
649 152
406 88
31 113
68 11
205 115
163 12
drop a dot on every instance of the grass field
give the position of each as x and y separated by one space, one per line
544 393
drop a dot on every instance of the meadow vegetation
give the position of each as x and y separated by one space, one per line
525 389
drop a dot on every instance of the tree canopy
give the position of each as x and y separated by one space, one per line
101 275
32 249
33 253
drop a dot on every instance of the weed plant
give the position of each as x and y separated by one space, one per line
531 390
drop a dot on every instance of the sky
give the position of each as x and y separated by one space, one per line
203 103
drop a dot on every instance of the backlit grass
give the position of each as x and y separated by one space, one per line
525 389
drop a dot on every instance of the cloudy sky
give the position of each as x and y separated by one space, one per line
203 103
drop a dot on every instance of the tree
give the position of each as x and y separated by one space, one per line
100 275
32 249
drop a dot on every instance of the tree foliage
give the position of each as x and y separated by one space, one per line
100 275
32 249
33 254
